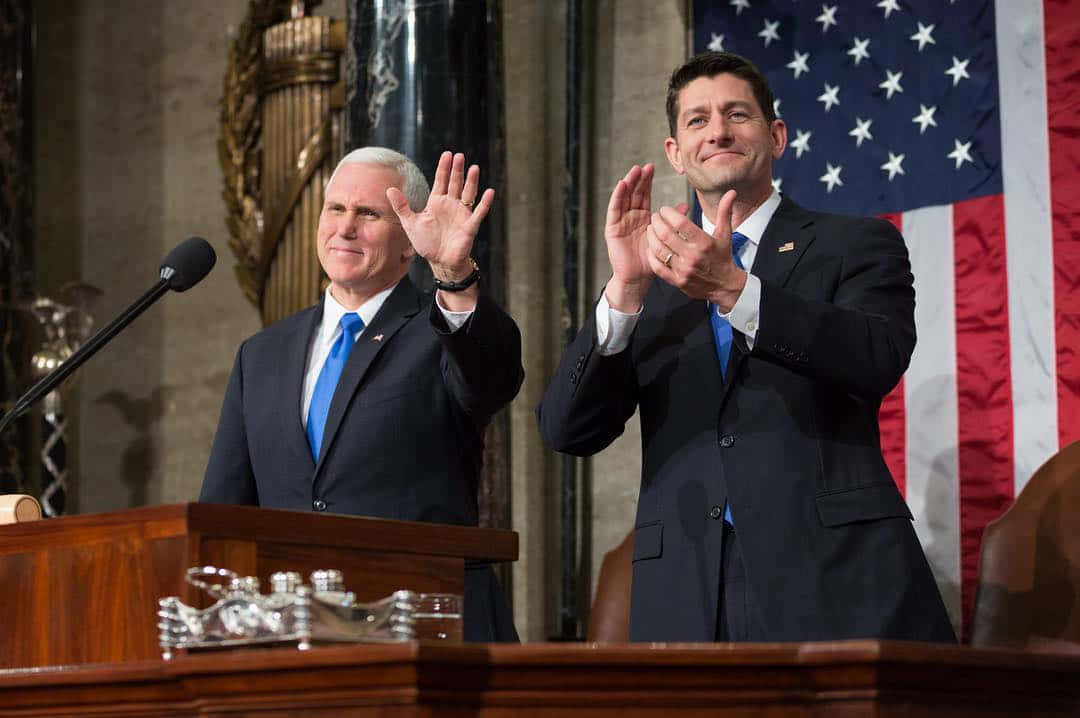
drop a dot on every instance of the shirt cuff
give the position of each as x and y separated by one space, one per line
455 320
613 328
744 317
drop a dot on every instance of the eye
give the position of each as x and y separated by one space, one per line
697 121
333 209
368 213
738 116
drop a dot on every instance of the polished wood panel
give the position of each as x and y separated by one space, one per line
857 678
84 589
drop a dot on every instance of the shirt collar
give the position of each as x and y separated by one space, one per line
753 227
333 311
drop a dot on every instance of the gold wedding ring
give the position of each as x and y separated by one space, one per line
667 262
467 202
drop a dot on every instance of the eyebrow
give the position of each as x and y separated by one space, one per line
734 104
335 203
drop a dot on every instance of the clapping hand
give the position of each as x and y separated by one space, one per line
628 217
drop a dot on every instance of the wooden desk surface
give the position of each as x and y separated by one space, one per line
851 678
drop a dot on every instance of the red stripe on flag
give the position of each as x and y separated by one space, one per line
892 415
1062 34
983 379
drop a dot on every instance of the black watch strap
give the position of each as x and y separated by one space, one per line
462 285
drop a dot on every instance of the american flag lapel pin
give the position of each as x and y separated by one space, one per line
786 247
377 338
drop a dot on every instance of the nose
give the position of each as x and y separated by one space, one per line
719 128
347 225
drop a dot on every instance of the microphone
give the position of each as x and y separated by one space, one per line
182 268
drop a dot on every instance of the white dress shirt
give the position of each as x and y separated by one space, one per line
614 328
329 330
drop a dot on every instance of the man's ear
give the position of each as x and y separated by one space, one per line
778 132
671 149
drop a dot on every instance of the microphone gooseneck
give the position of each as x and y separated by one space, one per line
182 268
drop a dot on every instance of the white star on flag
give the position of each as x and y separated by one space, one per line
777 181
891 83
798 64
961 153
801 143
831 178
923 36
776 107
828 97
893 166
769 32
861 131
858 50
716 44
925 117
740 5
958 71
888 6
827 17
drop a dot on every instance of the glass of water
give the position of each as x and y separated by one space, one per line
439 617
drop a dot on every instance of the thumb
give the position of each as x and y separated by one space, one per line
399 204
723 214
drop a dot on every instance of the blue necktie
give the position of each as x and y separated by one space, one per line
351 323
722 333
721 328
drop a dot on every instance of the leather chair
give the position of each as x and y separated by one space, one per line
16 508
1028 593
609 619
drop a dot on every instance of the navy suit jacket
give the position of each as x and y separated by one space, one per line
404 436
790 439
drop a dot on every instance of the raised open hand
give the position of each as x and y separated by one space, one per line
628 215
444 231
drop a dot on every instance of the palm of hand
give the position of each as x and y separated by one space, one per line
439 234
627 244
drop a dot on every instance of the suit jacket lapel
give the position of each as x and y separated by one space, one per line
401 306
790 230
291 370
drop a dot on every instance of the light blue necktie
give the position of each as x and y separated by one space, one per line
325 385
722 333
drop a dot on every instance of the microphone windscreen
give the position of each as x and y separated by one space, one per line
189 262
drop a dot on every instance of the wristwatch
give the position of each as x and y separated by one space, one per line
462 285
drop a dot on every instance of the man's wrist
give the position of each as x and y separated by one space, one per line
454 273
725 296
626 297
456 279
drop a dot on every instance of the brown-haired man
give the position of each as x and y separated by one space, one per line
757 350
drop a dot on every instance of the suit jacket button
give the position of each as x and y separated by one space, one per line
715 512
727 441
318 505
573 377
580 363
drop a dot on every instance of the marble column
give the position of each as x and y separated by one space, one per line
423 77
16 244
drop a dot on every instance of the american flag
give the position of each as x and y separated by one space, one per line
960 122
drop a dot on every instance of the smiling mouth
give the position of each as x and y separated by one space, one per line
728 153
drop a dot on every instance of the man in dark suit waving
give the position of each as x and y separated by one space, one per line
757 349
375 401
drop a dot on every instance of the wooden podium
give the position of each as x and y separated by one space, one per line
84 589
